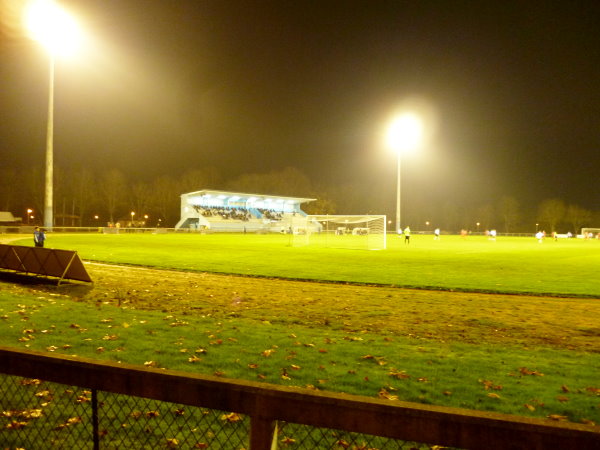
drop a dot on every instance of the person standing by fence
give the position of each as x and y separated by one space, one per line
39 237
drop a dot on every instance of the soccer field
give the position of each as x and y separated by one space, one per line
508 265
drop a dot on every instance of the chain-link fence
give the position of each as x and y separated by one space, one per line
55 401
36 414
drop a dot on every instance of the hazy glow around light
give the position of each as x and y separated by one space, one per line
53 27
405 133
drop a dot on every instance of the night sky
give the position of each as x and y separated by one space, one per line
511 92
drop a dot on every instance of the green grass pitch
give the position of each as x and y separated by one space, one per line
508 265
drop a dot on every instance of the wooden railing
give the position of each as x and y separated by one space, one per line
265 404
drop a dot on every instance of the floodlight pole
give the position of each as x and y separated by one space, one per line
398 224
48 198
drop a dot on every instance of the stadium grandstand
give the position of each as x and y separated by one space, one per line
222 211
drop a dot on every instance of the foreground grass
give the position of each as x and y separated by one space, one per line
508 265
538 382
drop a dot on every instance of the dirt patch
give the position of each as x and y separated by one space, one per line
441 316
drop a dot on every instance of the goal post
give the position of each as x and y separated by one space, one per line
366 232
590 233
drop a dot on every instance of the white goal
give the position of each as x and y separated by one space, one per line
337 231
588 233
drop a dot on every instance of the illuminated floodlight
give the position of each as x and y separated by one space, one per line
405 133
53 27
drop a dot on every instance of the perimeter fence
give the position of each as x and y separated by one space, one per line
52 401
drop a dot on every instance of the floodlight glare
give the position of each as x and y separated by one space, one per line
53 27
405 133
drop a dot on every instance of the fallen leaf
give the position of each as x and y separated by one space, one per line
557 417
231 417
526 371
401 375
16 425
383 393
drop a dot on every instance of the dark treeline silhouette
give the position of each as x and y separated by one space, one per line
83 197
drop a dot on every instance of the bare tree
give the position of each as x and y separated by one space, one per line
166 195
9 189
484 217
508 209
551 212
204 178
113 187
289 181
83 192
141 197
578 217
34 180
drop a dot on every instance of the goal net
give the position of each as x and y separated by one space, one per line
336 231
590 233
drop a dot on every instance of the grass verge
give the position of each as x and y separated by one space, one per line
540 382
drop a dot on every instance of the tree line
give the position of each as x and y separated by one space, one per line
83 197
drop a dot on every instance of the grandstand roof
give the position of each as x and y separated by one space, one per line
244 196
6 216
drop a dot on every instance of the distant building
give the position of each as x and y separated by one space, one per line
6 218
240 212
